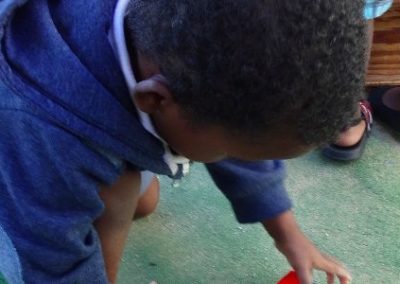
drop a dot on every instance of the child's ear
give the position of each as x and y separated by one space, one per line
151 94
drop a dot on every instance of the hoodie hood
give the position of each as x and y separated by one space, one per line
58 54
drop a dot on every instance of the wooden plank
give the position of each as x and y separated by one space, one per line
384 65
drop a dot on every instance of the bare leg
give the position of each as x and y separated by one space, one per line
120 200
148 201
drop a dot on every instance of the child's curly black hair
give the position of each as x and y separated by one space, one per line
253 65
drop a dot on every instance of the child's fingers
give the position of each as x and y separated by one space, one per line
344 280
330 277
331 266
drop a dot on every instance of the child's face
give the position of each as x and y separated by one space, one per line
211 144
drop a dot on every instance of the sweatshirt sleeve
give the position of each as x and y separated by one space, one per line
49 183
255 189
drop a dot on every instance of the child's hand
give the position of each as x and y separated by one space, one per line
302 255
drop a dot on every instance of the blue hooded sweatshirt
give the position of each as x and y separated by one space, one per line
67 125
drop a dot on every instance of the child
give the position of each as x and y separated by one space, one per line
235 84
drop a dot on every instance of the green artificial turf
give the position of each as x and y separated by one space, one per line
350 210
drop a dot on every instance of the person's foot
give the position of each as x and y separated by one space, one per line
351 136
351 142
386 104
